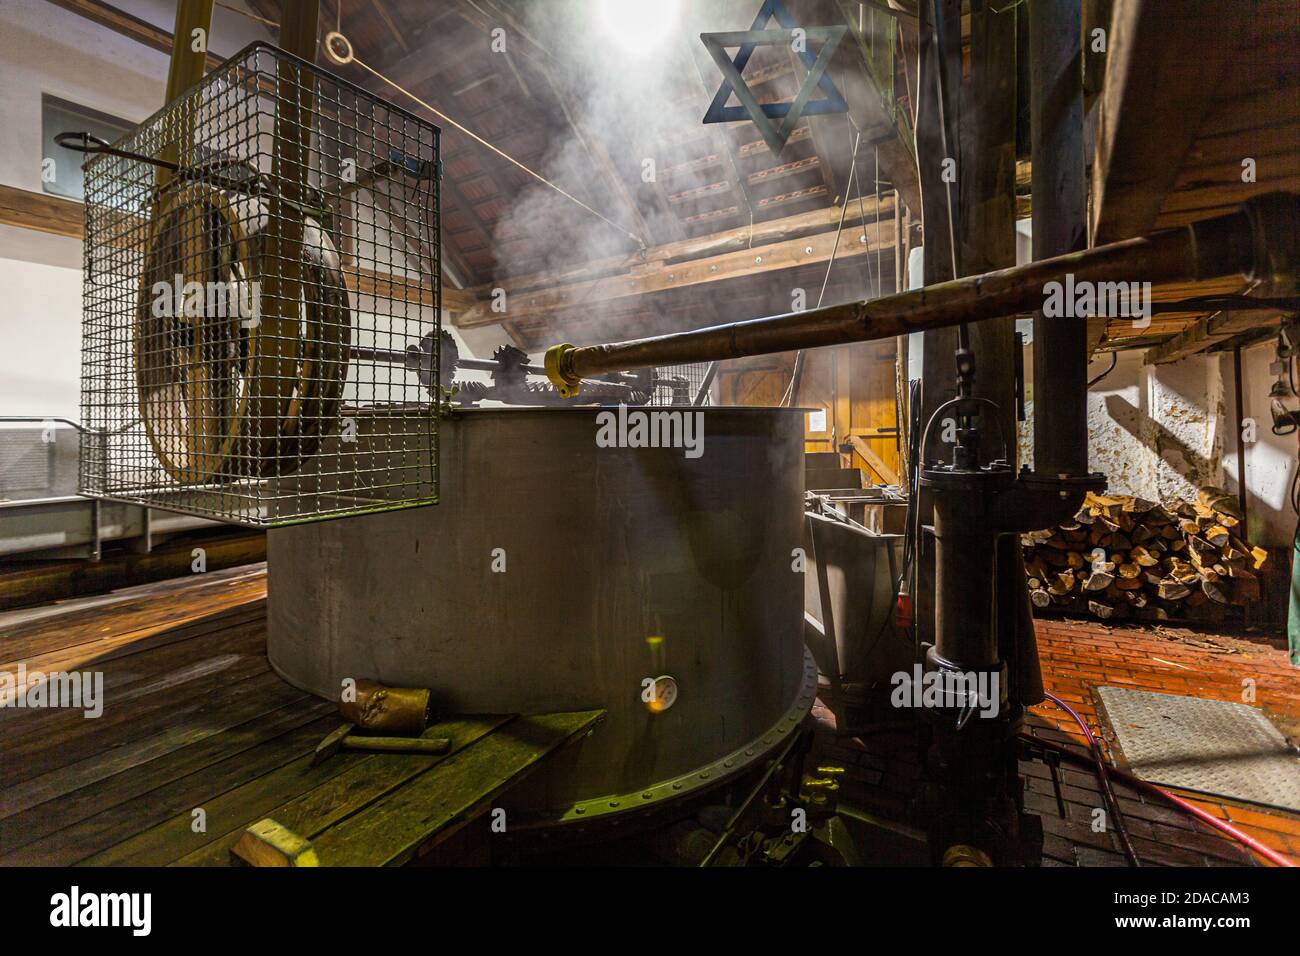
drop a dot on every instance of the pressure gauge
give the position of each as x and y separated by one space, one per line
661 695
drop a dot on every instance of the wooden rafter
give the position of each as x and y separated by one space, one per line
1209 332
730 240
129 26
1161 73
64 217
662 276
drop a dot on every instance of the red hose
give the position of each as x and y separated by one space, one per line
1228 829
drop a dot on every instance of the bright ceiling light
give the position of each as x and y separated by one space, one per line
637 28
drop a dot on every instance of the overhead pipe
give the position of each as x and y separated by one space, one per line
1258 240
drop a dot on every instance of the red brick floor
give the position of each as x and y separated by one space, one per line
1078 656
882 770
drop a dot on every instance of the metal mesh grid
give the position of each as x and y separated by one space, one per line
262 259
679 384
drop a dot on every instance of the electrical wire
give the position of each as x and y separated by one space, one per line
475 137
506 156
245 13
1138 783
788 398
1103 778
1114 360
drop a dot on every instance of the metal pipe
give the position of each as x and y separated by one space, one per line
1242 241
1241 446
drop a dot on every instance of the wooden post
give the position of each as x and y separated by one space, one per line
187 63
184 69
936 146
987 225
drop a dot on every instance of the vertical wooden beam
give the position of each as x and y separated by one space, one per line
987 224
183 71
936 147
1060 211
186 66
299 23
937 140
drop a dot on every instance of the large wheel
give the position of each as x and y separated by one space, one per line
223 393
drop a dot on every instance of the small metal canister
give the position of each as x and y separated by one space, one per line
401 711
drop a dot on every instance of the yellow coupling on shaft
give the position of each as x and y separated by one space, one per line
961 854
565 381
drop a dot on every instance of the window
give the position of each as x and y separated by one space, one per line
59 116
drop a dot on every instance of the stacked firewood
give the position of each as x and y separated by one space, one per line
1123 556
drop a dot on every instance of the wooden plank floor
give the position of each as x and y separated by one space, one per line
198 738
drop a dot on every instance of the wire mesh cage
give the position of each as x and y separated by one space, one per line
682 384
262 300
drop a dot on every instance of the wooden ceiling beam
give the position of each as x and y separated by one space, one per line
41 212
663 276
1208 332
742 237
65 217
1162 73
124 24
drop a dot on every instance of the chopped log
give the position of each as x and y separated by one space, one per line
1103 611
1171 589
1218 535
1098 580
1213 591
1143 558
1217 499
1063 583
1122 555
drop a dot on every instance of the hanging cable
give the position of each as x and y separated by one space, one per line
792 390
1114 360
506 156
352 58
1103 780
963 330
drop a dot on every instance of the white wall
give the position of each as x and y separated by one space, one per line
46 49
1270 459
1164 431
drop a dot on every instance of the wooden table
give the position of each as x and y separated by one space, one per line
199 739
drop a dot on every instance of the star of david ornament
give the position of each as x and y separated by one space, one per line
763 114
